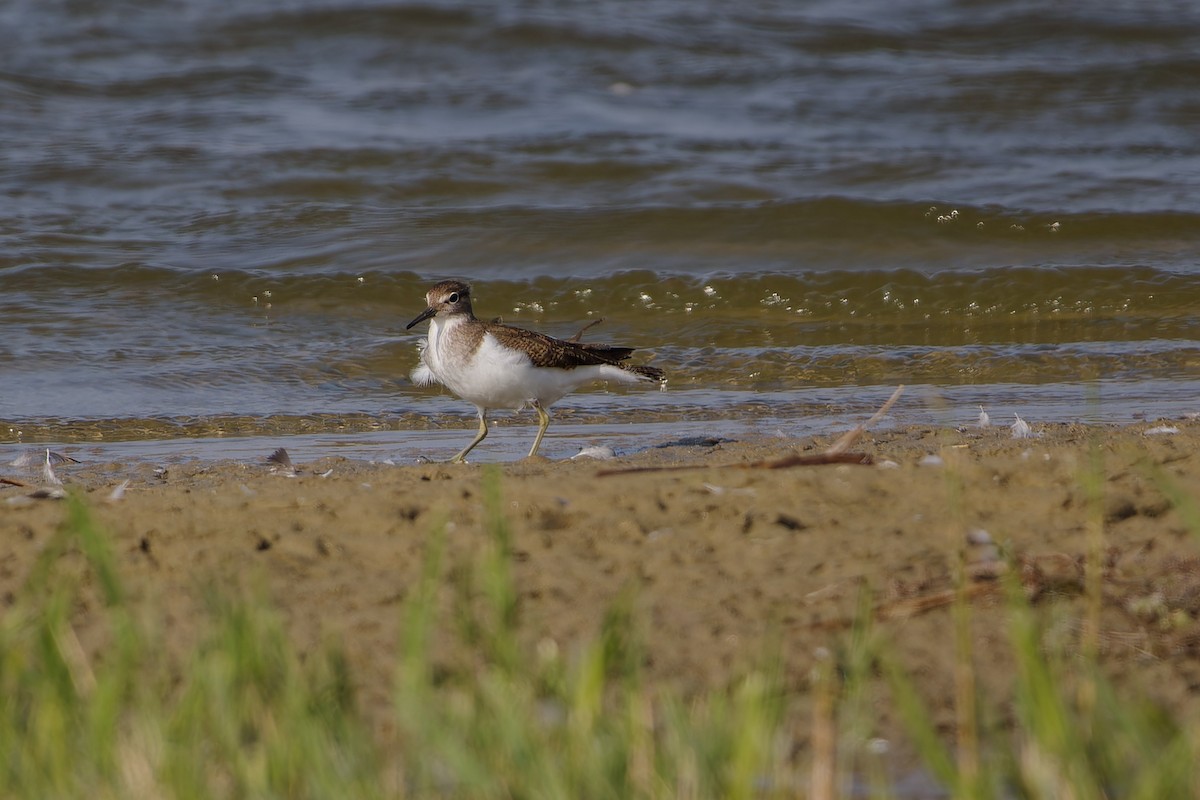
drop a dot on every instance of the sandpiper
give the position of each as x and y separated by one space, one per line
498 366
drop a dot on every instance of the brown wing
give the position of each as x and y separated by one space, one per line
546 351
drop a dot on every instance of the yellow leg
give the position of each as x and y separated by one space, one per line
461 458
543 423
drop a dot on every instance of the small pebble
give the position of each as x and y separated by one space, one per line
598 452
978 536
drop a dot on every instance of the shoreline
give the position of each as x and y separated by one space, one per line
251 441
721 562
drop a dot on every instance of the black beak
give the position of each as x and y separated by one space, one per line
424 315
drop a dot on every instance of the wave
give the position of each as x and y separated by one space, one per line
1122 293
524 243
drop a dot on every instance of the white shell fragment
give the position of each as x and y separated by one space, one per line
1161 430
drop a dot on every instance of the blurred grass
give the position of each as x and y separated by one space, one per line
244 715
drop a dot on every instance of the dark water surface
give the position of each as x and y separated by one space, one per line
217 217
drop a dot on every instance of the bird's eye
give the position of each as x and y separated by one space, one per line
453 298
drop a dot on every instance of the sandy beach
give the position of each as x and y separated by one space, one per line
721 561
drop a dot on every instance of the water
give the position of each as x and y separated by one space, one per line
217 218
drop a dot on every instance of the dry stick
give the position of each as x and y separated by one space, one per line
14 482
811 461
836 454
783 463
911 607
849 438
914 606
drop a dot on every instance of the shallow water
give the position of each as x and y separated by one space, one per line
218 219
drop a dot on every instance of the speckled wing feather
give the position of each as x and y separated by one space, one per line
546 351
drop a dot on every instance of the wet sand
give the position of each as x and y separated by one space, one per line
721 560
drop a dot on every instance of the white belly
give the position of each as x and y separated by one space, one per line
499 377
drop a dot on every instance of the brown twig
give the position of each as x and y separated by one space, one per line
907 608
815 460
819 459
911 607
14 482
